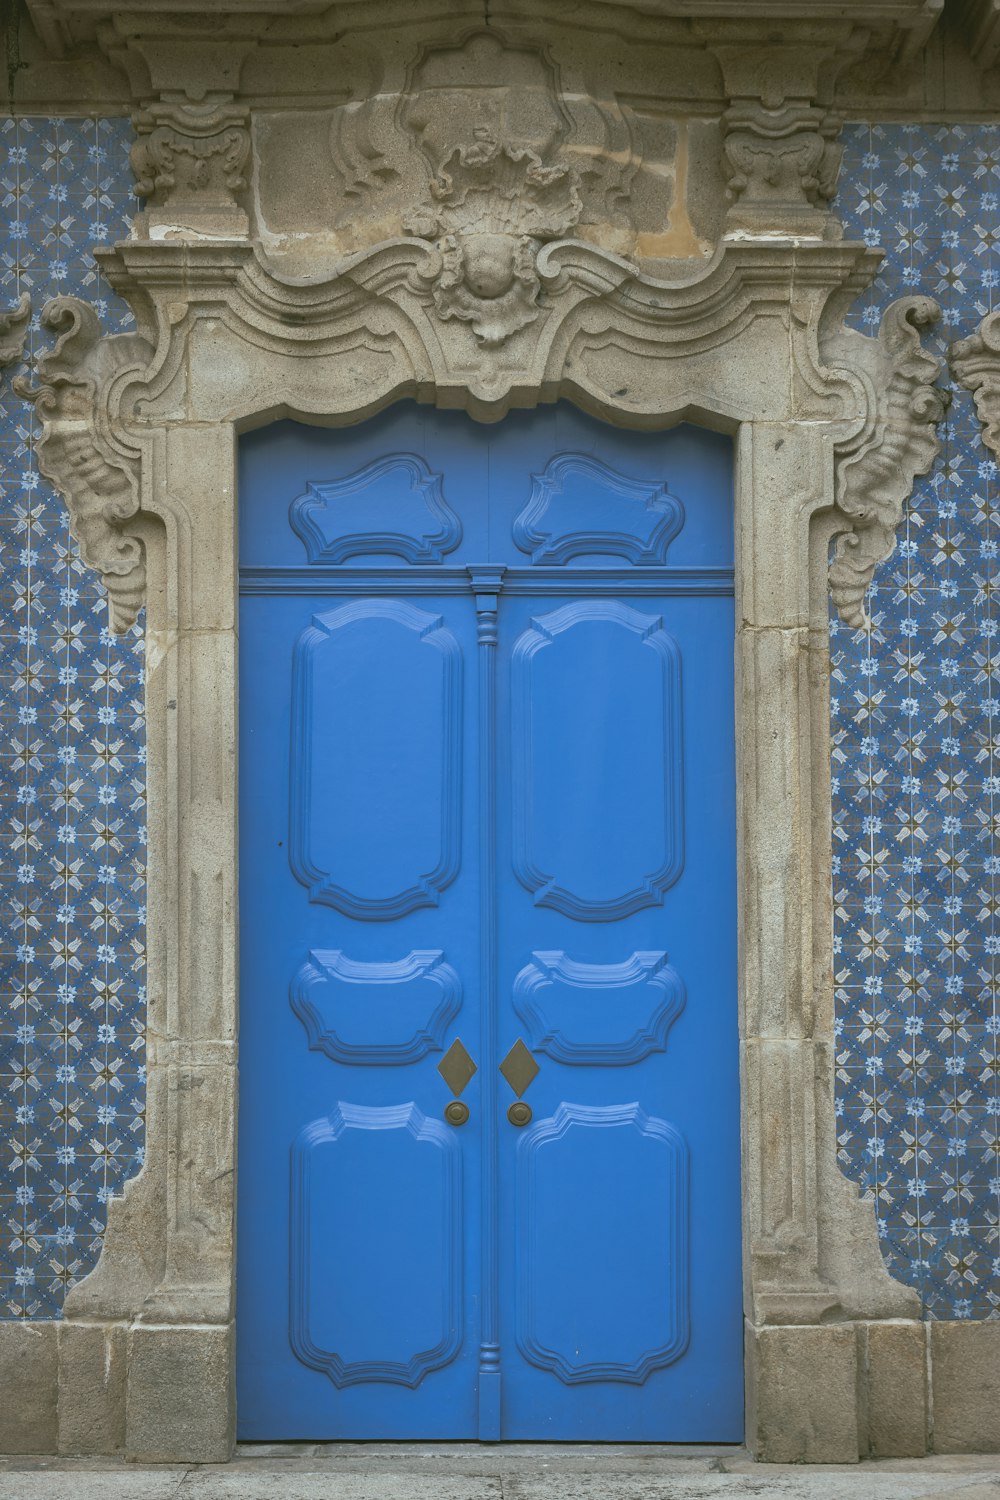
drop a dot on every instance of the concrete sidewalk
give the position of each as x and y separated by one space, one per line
460 1471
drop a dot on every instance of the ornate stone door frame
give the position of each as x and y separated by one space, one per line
140 435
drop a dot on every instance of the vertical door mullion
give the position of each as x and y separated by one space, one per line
486 584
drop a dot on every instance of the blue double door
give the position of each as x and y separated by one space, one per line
489 1142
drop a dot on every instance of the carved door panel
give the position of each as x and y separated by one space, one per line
489 1165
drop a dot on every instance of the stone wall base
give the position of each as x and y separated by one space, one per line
819 1394
841 1392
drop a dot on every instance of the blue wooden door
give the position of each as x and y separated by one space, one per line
489 1122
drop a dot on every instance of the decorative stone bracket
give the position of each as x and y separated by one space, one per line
898 442
190 163
784 164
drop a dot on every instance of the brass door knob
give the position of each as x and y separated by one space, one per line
519 1113
456 1113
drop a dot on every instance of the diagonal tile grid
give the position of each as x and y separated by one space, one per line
917 878
72 774
916 765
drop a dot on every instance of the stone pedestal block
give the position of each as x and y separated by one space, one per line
802 1394
28 1358
965 1381
179 1406
896 1377
91 1388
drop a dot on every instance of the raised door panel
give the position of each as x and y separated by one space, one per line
580 507
602 1244
376 1245
395 506
598 1014
596 751
376 758
376 1013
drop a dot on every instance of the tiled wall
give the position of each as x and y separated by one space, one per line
917 868
72 825
916 764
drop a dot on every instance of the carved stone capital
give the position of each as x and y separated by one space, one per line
975 363
191 163
783 167
99 485
898 443
490 209
14 330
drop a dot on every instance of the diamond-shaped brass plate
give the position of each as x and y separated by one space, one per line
519 1067
456 1067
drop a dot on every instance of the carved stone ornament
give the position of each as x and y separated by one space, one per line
899 442
491 208
784 164
98 485
975 363
192 159
14 330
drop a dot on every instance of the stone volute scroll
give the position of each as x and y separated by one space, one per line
491 208
99 486
14 330
975 363
898 443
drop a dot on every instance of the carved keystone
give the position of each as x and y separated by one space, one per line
899 442
100 488
190 163
975 363
491 208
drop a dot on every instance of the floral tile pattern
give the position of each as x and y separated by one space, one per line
916 764
916 732
72 773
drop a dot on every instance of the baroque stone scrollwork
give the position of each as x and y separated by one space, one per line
100 489
899 442
192 159
784 162
975 363
603 317
491 208
14 330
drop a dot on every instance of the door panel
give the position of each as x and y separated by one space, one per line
595 702
397 1274
376 834
489 1141
603 1290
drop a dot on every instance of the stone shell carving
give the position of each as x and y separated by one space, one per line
875 474
491 208
14 330
100 488
975 363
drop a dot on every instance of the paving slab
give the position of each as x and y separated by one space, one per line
461 1471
